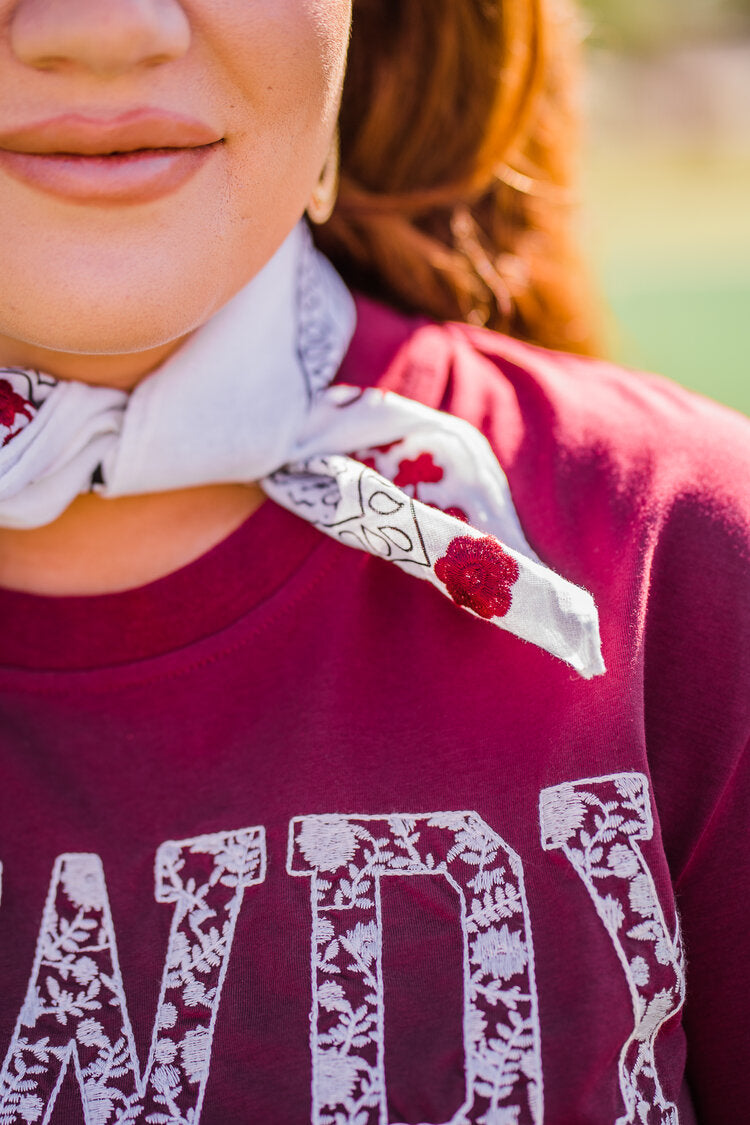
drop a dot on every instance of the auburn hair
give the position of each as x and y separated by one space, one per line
458 133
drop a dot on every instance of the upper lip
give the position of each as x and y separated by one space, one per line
81 135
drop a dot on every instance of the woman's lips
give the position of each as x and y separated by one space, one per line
117 177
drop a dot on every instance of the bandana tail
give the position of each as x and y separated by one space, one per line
354 504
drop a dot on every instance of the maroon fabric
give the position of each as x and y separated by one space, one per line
283 675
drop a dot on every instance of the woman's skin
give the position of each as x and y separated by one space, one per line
102 280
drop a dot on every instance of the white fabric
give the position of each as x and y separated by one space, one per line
248 398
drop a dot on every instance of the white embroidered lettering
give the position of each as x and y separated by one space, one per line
597 823
75 1005
345 857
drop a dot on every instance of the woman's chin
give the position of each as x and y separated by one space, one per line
94 336
101 318
102 348
109 296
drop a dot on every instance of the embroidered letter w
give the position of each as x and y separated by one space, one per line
75 1005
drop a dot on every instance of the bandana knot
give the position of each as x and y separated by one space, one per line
250 397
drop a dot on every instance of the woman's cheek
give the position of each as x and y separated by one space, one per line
299 43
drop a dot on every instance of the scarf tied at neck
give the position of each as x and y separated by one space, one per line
249 397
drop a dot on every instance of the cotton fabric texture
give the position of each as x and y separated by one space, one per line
364 858
247 398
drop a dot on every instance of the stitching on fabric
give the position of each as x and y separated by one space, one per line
345 856
597 823
202 662
76 978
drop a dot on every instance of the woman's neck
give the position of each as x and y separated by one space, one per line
120 371
100 546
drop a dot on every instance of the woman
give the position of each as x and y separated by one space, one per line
222 729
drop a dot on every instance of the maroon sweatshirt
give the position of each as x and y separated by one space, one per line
286 837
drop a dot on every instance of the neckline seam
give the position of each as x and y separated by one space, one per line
124 672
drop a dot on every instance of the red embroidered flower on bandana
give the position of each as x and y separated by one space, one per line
478 574
421 470
11 405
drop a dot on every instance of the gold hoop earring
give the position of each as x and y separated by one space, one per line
323 199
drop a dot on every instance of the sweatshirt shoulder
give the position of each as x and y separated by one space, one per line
640 491
571 426
638 423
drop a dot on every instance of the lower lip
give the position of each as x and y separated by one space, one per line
131 177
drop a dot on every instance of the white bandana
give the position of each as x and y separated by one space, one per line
246 399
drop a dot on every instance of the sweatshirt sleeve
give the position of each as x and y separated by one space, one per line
697 715
640 490
713 898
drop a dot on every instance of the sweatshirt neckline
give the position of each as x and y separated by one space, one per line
74 633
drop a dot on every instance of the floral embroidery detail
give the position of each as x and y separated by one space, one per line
478 574
419 470
597 824
367 510
75 1005
12 406
345 857
327 843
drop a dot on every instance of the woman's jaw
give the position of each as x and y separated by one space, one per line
150 169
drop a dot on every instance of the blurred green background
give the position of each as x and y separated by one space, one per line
667 186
